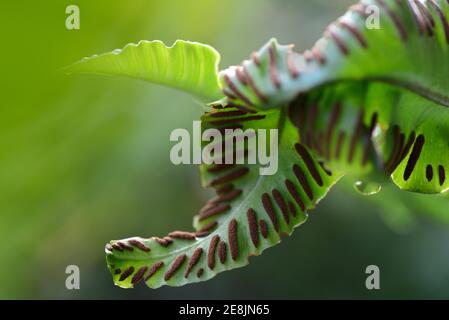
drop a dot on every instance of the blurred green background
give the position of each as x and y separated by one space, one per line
85 159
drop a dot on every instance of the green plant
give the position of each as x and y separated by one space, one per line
370 103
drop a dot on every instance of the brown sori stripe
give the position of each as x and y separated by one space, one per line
220 167
211 251
309 163
263 228
202 234
230 176
303 181
224 114
227 121
227 196
302 114
429 172
154 269
208 227
182 235
219 208
175 267
408 146
241 75
442 18
139 244
396 148
236 90
126 273
356 33
355 137
339 42
441 174
252 224
242 108
117 271
255 58
117 247
397 157
193 261
333 119
340 141
222 251
200 273
253 86
268 206
163 242
318 56
294 72
426 15
325 169
125 246
373 124
294 193
414 156
311 121
228 94
232 236
206 207
274 72
139 275
427 18
292 208
420 23
396 20
282 204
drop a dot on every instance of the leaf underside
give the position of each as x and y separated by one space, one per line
249 214
372 103
395 76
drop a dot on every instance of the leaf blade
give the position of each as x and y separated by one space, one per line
187 66
252 220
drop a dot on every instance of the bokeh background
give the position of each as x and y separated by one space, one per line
85 159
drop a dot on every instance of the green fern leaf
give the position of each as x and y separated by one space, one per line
188 66
371 103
